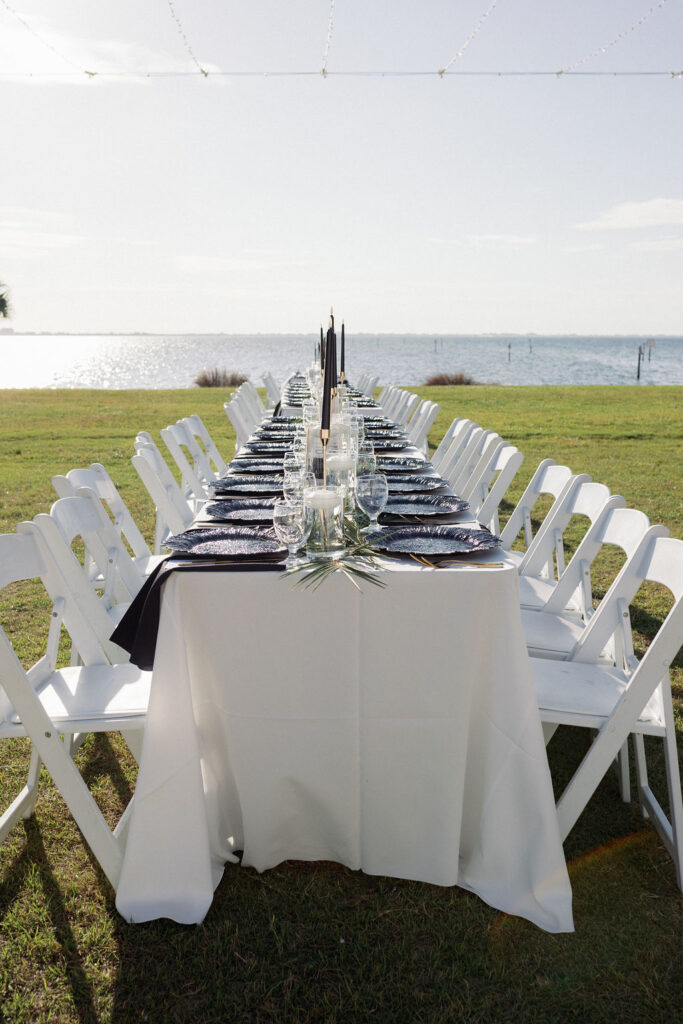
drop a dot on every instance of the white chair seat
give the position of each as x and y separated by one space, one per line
515 556
92 693
534 591
550 635
564 686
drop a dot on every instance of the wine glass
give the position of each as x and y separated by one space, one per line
289 523
290 463
293 486
366 461
371 494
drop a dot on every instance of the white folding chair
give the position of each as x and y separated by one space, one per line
369 385
492 483
446 441
272 390
548 479
449 457
561 636
537 588
251 412
46 703
176 440
478 448
407 405
96 479
418 428
201 462
236 417
621 701
256 398
195 426
108 570
173 511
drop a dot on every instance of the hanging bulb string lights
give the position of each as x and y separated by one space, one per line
185 40
330 27
475 32
446 71
622 35
44 42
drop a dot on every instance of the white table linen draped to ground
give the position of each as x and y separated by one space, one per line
393 731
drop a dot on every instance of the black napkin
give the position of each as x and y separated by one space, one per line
137 630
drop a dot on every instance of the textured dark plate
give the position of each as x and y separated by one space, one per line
414 483
400 464
257 510
432 540
247 485
262 466
234 542
267 447
277 436
424 505
396 445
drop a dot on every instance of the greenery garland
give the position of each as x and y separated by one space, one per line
359 562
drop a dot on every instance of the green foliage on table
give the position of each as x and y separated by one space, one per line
358 563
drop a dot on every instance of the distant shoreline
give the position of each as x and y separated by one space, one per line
534 335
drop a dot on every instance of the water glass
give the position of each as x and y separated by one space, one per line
289 522
371 494
366 462
293 486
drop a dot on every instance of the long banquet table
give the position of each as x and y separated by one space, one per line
394 731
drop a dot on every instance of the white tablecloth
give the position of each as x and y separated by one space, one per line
393 730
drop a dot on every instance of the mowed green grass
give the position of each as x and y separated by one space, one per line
315 942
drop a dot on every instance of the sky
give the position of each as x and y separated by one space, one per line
462 203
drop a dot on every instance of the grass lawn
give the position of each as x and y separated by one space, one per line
316 942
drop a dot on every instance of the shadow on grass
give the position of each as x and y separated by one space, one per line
33 858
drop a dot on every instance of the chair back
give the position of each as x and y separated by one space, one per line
549 479
176 440
97 479
174 513
195 425
493 485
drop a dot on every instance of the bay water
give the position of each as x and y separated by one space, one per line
173 361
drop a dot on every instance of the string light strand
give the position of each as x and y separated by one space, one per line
472 35
44 42
184 38
337 74
330 27
617 39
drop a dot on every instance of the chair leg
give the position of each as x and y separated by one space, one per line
549 730
133 738
641 769
23 805
623 774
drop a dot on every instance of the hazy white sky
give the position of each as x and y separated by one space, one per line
444 205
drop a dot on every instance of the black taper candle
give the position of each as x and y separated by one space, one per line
334 361
341 358
327 388
322 349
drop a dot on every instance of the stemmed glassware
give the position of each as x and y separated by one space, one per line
372 492
292 523
366 461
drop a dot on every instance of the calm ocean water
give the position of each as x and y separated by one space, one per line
173 361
